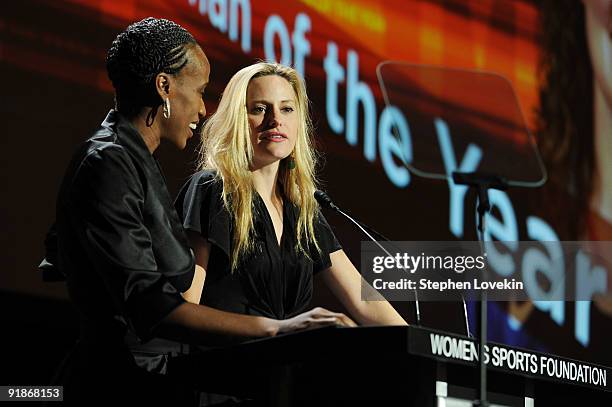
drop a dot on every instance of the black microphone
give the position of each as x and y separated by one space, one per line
326 202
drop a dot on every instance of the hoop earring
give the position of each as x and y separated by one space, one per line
166 108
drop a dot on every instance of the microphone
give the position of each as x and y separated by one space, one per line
326 202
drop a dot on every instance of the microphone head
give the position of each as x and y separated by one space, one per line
324 200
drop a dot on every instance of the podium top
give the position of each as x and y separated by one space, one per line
339 342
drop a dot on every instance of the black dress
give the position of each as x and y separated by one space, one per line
273 281
126 259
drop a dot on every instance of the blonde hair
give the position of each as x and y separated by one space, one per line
226 147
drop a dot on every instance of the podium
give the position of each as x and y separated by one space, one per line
389 366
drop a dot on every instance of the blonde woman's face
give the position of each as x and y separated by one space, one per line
273 119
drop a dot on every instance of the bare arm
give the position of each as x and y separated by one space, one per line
201 249
344 281
194 293
191 322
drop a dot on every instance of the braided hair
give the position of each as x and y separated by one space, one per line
138 54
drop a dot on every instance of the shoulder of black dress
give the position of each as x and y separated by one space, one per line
206 176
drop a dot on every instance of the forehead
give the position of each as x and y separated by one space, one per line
270 88
198 67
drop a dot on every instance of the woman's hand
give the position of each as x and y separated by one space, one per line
315 318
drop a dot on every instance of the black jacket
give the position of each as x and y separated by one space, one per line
121 244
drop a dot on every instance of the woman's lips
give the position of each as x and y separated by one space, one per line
275 137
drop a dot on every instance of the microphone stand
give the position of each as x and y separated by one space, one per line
481 182
325 200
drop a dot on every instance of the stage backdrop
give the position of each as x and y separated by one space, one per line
55 92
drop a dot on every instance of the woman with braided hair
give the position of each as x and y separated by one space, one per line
121 245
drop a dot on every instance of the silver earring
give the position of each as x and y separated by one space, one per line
166 108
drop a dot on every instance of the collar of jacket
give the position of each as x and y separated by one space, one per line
127 135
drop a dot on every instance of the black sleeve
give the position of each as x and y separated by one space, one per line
106 203
200 206
327 243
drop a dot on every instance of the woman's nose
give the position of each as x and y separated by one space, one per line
202 110
274 118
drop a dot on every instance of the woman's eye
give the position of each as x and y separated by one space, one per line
259 109
288 109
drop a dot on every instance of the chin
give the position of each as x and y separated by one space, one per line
279 155
180 144
183 142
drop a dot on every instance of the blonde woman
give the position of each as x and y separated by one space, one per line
250 212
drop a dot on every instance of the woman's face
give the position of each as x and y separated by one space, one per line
599 35
186 96
273 119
